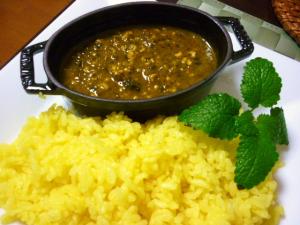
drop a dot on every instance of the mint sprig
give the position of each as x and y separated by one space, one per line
219 116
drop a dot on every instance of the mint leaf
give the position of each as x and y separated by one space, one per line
269 125
216 115
275 126
282 135
261 84
245 124
256 155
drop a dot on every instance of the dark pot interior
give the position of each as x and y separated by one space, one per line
133 14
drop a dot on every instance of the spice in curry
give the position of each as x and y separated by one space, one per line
139 63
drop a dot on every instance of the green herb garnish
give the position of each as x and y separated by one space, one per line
261 84
219 116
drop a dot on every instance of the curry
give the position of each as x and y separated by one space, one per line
139 63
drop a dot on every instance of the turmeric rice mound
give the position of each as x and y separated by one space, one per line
63 169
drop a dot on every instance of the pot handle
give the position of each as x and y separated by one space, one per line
27 71
241 35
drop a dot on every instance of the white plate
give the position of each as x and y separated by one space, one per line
16 105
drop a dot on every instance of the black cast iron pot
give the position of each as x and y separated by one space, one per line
86 26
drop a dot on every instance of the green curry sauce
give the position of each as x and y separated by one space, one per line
139 63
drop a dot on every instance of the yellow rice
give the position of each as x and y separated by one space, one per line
63 169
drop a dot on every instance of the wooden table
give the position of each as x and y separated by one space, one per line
21 20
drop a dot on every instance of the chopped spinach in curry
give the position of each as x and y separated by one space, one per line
139 63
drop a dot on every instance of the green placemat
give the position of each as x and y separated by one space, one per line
261 32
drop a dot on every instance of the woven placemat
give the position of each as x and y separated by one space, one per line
288 14
261 32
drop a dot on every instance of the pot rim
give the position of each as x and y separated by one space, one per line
198 84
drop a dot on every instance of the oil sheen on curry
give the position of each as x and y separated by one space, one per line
139 63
